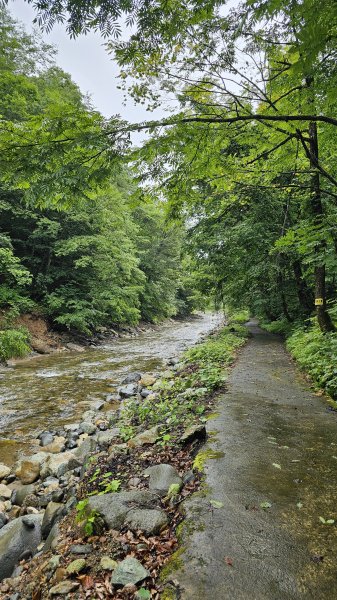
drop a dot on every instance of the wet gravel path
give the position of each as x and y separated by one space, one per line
273 442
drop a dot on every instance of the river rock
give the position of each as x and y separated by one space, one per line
58 464
18 538
127 391
21 493
106 438
3 519
4 470
148 380
81 549
63 588
75 347
131 378
53 538
149 436
145 393
114 508
87 427
46 438
130 570
197 431
149 521
5 492
56 446
28 471
53 513
162 477
85 448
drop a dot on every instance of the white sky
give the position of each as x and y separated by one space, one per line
89 65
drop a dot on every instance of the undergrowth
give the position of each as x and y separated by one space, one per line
13 343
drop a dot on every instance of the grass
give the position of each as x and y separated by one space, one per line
13 343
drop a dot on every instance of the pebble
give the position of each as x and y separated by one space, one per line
76 566
81 548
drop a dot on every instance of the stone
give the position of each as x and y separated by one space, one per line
31 510
130 570
114 508
106 438
58 464
131 378
162 477
21 493
197 431
107 563
72 426
53 513
56 446
15 512
81 549
149 521
63 588
127 391
4 470
145 393
53 539
148 380
28 471
75 347
5 491
46 438
149 436
86 447
3 519
18 538
87 427
76 566
53 563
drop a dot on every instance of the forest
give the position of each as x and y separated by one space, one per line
230 199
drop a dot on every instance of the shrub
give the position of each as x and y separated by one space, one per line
13 343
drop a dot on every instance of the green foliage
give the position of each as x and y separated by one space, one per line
87 519
13 343
316 353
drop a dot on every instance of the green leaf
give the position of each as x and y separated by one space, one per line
216 503
265 505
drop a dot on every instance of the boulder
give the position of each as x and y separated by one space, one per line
129 571
4 470
5 491
75 347
56 446
106 438
148 380
19 538
21 493
58 464
85 448
162 477
87 427
127 391
149 436
28 472
149 521
131 378
114 508
52 539
46 438
53 513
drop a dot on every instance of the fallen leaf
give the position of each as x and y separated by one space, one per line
228 561
276 465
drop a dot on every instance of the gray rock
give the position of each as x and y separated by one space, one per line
18 538
3 519
149 436
5 491
145 393
197 431
107 563
149 521
97 405
106 438
52 539
21 493
127 391
114 508
162 477
81 549
130 570
58 464
54 512
63 588
131 378
87 427
87 447
4 470
46 438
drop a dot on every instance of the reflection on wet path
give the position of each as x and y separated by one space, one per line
48 391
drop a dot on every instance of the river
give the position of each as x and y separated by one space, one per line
48 391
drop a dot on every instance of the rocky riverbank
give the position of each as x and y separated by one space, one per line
98 504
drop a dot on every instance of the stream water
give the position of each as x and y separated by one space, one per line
46 392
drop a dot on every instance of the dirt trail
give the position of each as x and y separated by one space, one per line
272 441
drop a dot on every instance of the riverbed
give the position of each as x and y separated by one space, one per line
47 392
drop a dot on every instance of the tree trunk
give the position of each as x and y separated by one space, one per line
323 316
304 293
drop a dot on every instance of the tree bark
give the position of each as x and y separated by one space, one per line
304 293
323 317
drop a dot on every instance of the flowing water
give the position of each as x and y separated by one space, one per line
47 392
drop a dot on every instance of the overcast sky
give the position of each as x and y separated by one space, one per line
89 65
